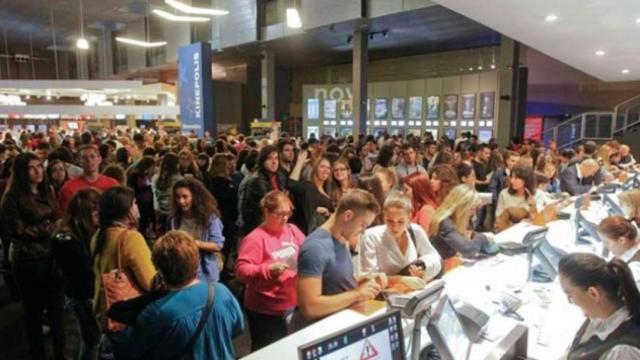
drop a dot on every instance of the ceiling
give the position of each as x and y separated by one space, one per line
425 30
582 28
24 18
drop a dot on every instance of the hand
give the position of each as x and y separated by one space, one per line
323 211
416 271
303 157
277 268
368 290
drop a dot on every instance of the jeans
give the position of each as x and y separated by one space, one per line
265 329
41 289
89 330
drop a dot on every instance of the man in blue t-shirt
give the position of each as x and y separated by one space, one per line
326 283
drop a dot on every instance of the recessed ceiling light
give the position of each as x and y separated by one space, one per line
600 52
470 68
551 18
194 10
638 20
480 67
625 71
171 17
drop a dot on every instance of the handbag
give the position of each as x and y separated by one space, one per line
187 353
117 286
419 263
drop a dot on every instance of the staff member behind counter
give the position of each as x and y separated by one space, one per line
609 298
620 237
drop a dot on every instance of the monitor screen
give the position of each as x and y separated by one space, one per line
447 333
549 258
377 338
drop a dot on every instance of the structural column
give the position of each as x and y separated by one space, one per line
359 84
105 55
82 64
268 82
513 92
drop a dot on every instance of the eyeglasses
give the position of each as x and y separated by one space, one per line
286 213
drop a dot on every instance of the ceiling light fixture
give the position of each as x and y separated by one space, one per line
638 20
194 10
470 68
600 53
480 67
493 66
293 17
145 44
82 43
625 71
551 18
171 17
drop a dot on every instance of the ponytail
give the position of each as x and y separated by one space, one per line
627 289
614 278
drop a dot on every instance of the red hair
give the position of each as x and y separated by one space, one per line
423 193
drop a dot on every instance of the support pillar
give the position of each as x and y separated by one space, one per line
105 55
359 84
268 81
513 83
82 64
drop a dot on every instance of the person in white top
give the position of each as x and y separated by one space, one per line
399 247
619 235
608 297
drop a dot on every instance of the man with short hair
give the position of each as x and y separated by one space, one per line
481 167
409 164
326 283
581 178
429 153
287 156
90 161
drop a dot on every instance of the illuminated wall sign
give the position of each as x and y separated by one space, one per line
196 88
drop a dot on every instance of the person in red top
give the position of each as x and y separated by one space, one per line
90 161
267 264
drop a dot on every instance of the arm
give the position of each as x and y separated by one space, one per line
215 239
314 305
622 352
427 253
300 163
368 253
467 247
250 265
500 205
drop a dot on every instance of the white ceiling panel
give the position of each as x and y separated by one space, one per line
582 28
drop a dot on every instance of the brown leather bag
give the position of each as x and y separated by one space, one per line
117 286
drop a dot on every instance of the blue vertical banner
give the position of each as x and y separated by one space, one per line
196 89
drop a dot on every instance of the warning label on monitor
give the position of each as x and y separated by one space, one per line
374 347
369 352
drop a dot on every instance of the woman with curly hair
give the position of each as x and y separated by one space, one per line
195 211
443 178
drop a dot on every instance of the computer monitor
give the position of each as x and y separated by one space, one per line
549 258
378 338
447 333
614 207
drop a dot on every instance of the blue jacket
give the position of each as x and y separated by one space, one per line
165 326
208 270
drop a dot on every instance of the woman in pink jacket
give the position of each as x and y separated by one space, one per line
267 263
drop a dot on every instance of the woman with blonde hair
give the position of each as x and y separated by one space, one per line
449 229
630 204
188 166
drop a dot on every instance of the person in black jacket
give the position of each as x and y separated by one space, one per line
72 254
28 211
581 178
139 179
267 178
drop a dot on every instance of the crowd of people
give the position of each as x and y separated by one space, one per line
282 233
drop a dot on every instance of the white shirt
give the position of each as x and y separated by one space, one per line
633 266
379 251
602 328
